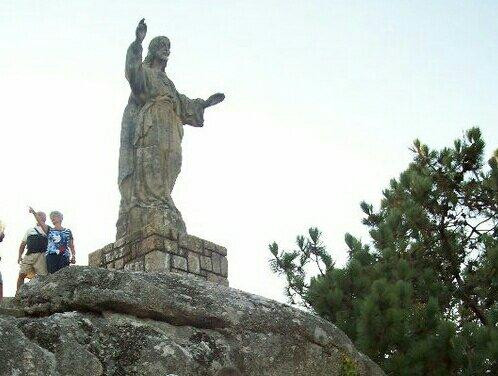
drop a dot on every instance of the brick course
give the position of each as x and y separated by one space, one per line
162 249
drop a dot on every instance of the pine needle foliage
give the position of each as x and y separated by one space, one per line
421 297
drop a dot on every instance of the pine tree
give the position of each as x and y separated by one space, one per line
421 297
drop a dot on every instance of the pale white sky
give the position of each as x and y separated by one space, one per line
323 100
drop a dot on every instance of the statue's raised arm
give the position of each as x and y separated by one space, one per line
133 67
141 31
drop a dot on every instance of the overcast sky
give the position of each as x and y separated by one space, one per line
323 100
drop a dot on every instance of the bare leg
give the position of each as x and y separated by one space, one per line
20 281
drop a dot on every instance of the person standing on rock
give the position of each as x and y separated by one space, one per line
60 248
34 262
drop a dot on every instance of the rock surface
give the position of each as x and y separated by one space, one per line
92 321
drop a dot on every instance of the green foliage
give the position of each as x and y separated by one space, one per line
348 367
421 299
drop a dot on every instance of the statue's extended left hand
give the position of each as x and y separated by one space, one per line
214 99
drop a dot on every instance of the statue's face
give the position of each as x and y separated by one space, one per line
163 53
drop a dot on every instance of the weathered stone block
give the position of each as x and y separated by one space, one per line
179 262
207 252
137 265
120 242
95 258
221 250
133 249
151 243
206 263
107 257
117 253
122 251
197 276
209 245
157 261
108 248
216 260
159 247
192 243
179 271
171 246
127 256
224 266
193 262
211 277
119 264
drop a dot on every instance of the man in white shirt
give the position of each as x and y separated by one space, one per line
33 263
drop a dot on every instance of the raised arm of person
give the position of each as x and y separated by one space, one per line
42 224
73 251
133 68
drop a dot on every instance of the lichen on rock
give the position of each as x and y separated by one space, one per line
91 321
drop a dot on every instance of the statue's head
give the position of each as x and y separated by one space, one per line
158 50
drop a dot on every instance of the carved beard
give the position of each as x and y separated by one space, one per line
163 61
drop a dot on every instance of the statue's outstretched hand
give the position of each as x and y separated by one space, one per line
214 99
141 30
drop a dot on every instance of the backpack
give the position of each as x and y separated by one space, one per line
37 243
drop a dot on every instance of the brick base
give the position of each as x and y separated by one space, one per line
163 249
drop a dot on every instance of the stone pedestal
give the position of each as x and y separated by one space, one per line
164 249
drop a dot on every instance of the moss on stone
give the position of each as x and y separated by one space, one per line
348 367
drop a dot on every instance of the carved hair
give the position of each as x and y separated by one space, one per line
154 45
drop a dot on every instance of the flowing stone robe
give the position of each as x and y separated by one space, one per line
150 153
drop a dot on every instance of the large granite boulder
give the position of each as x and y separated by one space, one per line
92 321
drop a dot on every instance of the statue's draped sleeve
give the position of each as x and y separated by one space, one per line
191 111
135 76
134 71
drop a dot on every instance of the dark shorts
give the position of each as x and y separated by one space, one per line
56 262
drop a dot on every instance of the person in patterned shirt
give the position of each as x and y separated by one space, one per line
60 248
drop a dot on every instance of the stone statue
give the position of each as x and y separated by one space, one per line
150 155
